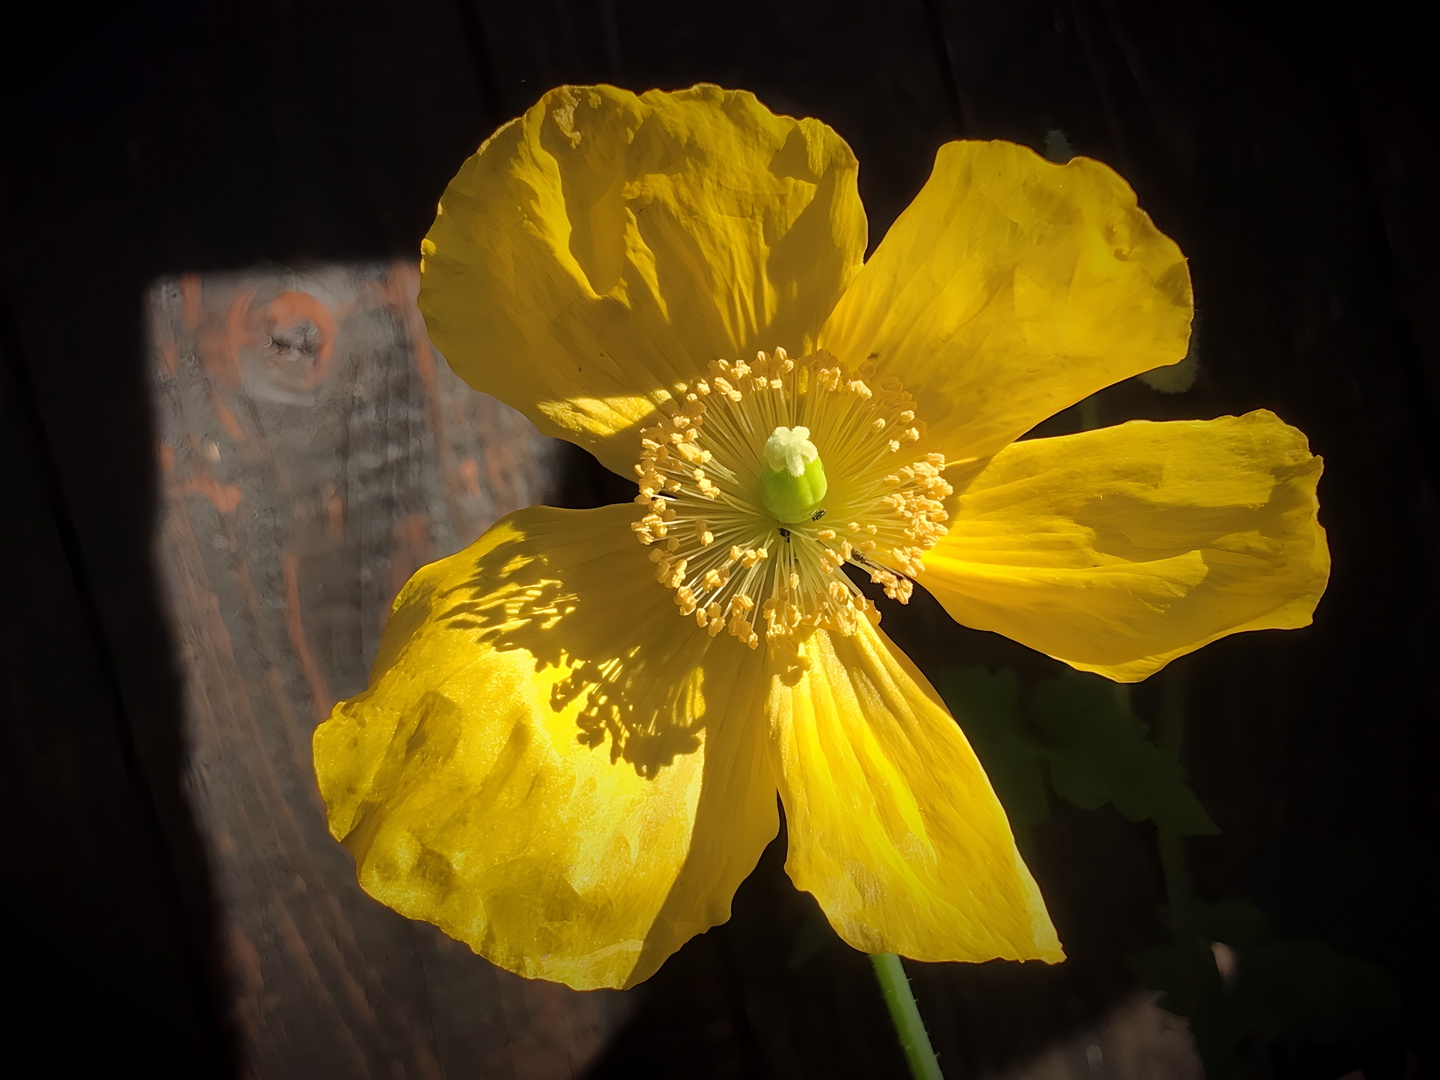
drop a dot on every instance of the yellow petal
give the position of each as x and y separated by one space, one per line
547 765
892 823
1120 549
1011 288
604 248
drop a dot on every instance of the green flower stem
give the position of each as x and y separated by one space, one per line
895 985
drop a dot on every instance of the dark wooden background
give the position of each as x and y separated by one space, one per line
200 530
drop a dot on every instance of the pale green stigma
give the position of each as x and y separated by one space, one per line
793 481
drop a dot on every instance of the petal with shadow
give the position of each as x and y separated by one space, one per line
893 825
550 764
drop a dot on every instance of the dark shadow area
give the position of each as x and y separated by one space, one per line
1290 150
638 689
108 939
585 483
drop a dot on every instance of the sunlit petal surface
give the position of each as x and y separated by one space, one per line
1120 549
1011 288
892 824
547 764
603 248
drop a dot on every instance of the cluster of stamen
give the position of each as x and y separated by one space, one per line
732 565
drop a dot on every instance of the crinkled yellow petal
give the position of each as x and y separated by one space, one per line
892 824
1011 288
603 248
1120 549
547 764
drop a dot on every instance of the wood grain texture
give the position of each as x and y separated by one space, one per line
314 452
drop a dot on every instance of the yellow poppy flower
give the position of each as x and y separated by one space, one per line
569 751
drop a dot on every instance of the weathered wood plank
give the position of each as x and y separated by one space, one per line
313 454
144 140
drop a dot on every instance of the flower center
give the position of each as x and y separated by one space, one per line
748 526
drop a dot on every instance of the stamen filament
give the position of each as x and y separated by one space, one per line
734 556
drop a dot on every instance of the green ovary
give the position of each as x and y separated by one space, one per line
792 479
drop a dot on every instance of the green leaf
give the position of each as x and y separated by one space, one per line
1100 753
988 708
1160 968
1285 997
814 935
1236 923
1297 992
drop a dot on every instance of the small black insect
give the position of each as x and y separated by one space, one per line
818 514
786 534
